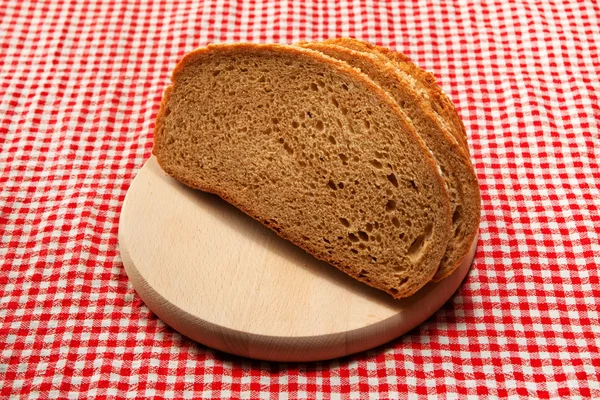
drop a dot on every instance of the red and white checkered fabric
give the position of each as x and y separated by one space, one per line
80 86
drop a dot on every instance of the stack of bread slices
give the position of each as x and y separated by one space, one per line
346 149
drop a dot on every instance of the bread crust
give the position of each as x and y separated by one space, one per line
439 100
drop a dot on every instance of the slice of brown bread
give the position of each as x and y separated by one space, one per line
454 163
314 150
423 82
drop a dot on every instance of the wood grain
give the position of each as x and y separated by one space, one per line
222 279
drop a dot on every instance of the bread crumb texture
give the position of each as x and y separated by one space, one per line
316 151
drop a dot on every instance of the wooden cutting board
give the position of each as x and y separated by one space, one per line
222 279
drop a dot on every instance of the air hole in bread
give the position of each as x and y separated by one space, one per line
456 214
457 231
428 231
332 185
367 124
354 251
344 86
392 178
390 206
401 235
261 79
321 83
167 111
376 164
416 248
326 240
306 238
335 102
343 157
295 124
341 185
216 73
314 87
393 291
369 227
319 125
288 148
362 246
363 236
274 121
345 222
396 222
403 280
344 111
413 185
353 237
362 273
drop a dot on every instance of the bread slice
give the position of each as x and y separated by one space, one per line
454 163
313 149
423 83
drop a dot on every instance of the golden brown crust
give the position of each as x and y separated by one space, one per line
342 68
439 100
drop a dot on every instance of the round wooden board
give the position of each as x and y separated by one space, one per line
224 280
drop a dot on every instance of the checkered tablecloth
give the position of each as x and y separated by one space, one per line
80 85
